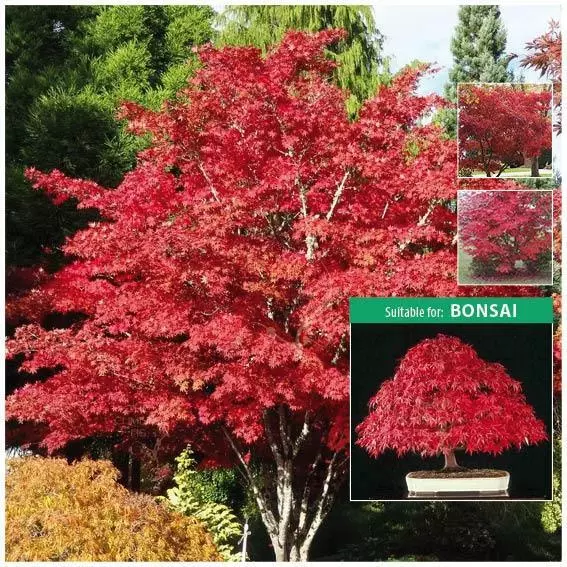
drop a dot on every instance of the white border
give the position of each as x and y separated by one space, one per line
513 284
553 116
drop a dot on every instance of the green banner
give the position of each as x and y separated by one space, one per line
451 310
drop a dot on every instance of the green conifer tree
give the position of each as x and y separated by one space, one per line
479 54
67 70
361 66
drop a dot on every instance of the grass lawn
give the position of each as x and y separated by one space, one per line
466 278
517 172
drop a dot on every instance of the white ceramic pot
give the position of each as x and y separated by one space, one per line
482 485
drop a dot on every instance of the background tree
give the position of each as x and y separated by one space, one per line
544 55
359 54
479 55
501 228
470 405
61 512
502 126
68 68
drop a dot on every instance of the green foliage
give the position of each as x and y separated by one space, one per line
70 130
68 68
194 495
538 182
551 511
128 64
436 531
188 26
359 55
478 47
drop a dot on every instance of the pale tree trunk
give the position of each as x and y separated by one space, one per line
450 461
293 500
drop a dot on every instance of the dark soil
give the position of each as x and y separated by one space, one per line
464 473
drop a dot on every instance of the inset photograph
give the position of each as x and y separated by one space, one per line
504 130
451 412
505 237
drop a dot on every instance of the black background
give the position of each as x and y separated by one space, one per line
524 350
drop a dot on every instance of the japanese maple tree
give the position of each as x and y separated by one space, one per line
210 303
498 229
501 126
443 398
544 55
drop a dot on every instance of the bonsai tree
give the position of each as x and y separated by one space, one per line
443 398
502 126
500 228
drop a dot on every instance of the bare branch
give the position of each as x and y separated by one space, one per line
212 187
265 511
272 440
284 431
423 219
337 196
303 434
340 349
324 500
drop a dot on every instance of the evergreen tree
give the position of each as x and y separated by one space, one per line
361 67
479 54
67 70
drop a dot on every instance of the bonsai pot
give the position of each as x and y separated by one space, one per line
461 482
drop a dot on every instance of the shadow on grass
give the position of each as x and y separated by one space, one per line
436 531
519 278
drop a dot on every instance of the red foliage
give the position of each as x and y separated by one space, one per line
215 291
443 397
502 125
500 228
545 57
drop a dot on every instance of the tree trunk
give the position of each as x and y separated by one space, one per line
293 500
450 461
535 166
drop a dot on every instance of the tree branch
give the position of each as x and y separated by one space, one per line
337 196
272 440
284 431
208 179
265 511
303 434
422 220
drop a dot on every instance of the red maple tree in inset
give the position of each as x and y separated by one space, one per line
444 398
502 126
506 232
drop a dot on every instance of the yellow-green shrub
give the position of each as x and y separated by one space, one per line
57 512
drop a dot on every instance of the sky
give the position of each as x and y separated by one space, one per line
424 33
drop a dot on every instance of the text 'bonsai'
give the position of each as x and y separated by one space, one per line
443 398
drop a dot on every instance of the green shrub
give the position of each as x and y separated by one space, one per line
190 497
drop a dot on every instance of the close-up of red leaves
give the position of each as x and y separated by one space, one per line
444 397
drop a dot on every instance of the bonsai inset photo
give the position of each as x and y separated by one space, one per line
504 130
505 237
461 411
